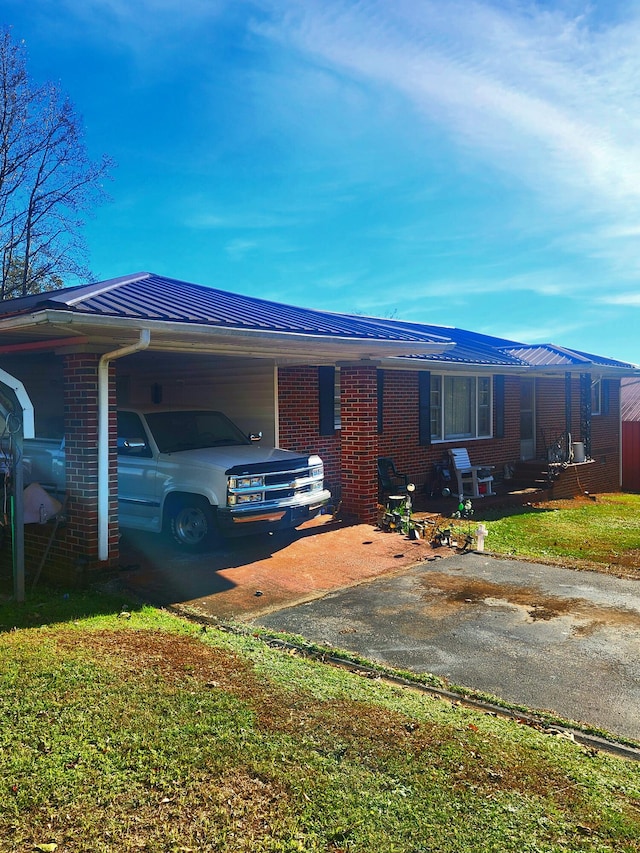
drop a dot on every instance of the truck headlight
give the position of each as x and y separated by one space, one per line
246 482
317 472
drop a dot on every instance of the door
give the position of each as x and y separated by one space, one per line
527 419
138 503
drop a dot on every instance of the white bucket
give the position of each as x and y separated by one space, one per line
578 451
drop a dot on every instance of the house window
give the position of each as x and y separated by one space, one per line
596 396
460 407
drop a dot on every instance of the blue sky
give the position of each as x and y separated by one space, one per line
474 164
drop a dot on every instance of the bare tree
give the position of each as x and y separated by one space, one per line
47 181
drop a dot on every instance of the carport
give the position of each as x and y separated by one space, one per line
145 338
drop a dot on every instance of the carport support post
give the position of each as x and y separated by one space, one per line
359 440
81 456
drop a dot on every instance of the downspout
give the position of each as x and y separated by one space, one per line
103 437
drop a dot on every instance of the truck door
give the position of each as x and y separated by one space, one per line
138 501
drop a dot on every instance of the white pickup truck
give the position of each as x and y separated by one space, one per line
193 473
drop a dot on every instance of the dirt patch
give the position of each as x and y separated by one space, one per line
444 592
341 729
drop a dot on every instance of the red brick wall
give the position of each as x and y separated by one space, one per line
400 436
74 550
603 473
299 418
359 441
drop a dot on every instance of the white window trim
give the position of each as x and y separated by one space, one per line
465 438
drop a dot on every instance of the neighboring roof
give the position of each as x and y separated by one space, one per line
193 316
630 399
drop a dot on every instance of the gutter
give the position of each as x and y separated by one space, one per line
189 337
103 437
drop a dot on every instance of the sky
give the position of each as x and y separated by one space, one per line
464 163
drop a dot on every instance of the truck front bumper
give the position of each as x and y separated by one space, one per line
249 520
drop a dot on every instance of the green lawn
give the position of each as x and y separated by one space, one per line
136 730
601 533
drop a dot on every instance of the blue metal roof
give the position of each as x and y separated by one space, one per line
470 348
551 355
146 296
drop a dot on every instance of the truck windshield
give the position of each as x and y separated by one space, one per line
174 431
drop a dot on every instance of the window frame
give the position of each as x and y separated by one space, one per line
482 385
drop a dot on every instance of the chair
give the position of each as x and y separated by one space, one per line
389 478
474 481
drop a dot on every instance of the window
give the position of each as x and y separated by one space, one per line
460 407
596 396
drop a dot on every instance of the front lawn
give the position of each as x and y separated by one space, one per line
600 532
130 730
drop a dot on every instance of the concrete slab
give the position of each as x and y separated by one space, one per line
251 576
544 637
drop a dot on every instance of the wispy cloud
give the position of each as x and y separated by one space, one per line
536 93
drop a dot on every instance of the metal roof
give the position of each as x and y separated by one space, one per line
472 348
146 296
193 316
551 355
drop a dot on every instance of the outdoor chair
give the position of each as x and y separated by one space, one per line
474 481
389 478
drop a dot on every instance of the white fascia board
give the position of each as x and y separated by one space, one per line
192 337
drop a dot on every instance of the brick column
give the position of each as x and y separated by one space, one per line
359 446
81 455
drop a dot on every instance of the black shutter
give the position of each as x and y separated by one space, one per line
605 390
424 408
380 378
326 385
498 404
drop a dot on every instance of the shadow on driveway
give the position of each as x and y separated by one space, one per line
256 574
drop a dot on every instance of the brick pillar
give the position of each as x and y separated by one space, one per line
81 454
359 441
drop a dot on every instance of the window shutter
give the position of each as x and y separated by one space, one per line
498 403
424 408
605 390
326 384
380 378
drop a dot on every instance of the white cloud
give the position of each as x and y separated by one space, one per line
546 99
630 300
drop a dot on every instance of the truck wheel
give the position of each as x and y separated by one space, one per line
192 523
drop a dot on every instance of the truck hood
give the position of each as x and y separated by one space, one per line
238 457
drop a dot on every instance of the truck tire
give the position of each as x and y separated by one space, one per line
192 523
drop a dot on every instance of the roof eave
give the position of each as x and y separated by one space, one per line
197 337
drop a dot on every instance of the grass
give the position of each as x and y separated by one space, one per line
600 533
131 729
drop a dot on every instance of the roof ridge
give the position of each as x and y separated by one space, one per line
99 287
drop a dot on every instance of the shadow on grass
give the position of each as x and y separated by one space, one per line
49 605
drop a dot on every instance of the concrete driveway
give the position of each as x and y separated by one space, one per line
539 636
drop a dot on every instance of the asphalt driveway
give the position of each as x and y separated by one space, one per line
544 637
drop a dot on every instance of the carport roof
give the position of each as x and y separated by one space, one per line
185 316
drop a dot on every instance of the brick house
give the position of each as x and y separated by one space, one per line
350 388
